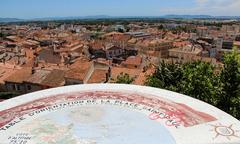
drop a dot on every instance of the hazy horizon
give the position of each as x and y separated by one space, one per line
30 9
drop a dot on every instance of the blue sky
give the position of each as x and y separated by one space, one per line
62 8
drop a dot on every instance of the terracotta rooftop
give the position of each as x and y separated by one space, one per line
13 38
77 73
5 72
133 60
38 77
181 43
132 41
98 76
140 80
113 33
188 49
121 37
118 70
97 45
171 36
79 62
51 78
20 75
48 56
104 61
78 70
54 79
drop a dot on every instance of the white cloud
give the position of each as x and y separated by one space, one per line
209 7
202 2
219 7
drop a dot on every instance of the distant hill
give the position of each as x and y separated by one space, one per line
200 17
72 18
188 16
10 20
122 17
173 16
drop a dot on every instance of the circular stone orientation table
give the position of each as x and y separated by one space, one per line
113 114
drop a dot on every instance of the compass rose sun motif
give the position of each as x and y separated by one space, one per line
225 131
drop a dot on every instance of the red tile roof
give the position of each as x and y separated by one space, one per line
98 76
54 79
78 70
38 76
118 70
133 60
140 80
97 45
20 75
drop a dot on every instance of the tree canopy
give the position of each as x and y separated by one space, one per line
124 78
199 80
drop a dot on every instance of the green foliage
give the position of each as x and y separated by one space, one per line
179 29
229 100
95 35
124 78
120 30
2 35
197 79
167 76
161 27
8 95
127 28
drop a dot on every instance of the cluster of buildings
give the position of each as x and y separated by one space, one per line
33 57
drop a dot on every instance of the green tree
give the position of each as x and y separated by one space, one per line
196 79
120 30
124 78
2 35
8 95
229 100
167 76
199 81
160 27
127 29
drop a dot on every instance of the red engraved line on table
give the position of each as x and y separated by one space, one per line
181 115
172 118
8 115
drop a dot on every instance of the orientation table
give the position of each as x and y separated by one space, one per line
113 114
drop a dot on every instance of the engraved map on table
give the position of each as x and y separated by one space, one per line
97 117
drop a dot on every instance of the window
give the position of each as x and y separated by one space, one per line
13 87
29 87
18 87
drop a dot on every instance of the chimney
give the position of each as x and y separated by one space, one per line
33 70
109 74
107 78
36 60
110 71
62 59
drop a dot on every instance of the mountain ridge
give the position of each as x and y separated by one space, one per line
170 16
